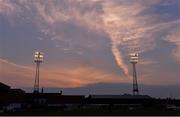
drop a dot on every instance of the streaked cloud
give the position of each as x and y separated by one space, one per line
147 62
94 30
174 38
23 76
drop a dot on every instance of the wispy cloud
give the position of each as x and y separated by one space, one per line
14 64
174 38
129 26
20 75
147 62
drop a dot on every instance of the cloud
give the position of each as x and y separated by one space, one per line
14 64
23 76
94 15
173 37
129 26
147 62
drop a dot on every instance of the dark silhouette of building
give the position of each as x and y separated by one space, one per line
4 88
16 99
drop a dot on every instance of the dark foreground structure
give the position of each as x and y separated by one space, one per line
18 102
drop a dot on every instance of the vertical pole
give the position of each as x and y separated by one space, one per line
133 80
135 84
36 84
38 78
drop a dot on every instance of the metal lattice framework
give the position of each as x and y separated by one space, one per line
134 61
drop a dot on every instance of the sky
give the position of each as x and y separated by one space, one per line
87 42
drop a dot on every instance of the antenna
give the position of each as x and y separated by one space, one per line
38 58
134 60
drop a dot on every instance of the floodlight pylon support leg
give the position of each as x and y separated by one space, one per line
36 84
135 83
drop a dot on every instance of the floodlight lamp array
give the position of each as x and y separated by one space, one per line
38 57
134 58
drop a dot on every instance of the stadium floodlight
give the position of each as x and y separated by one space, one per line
38 58
134 57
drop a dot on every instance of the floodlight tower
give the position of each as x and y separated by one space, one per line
134 61
38 58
